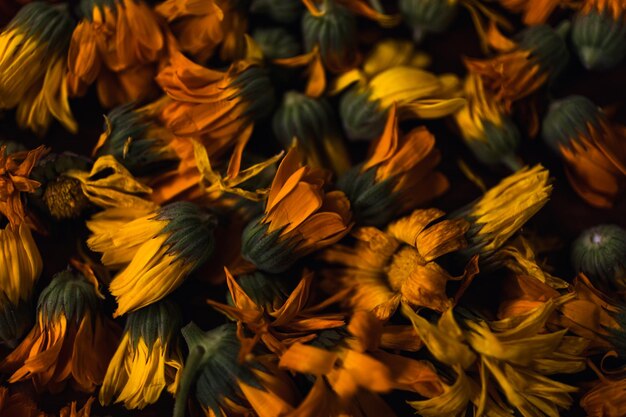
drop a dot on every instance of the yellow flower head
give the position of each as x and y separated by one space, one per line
393 73
514 357
147 359
33 66
300 217
485 126
157 250
397 177
385 269
72 340
117 44
505 208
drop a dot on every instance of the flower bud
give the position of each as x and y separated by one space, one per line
599 40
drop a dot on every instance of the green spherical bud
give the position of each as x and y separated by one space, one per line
65 199
190 232
276 43
159 321
304 118
14 320
68 294
267 251
362 118
428 16
567 119
600 253
128 140
599 40
372 203
281 11
499 145
548 47
335 34
255 88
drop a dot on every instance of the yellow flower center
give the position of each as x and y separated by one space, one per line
405 261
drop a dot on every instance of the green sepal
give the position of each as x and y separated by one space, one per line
373 203
567 119
500 145
276 43
362 118
50 24
69 294
599 40
428 16
15 320
281 11
159 321
255 88
548 48
266 250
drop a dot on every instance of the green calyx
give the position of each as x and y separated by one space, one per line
281 11
159 321
569 118
129 143
372 202
276 43
267 251
48 23
69 294
14 320
255 88
548 48
599 40
213 366
335 34
265 290
499 144
600 253
428 16
362 118
190 232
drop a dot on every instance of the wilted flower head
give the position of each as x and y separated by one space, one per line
117 45
591 147
223 385
300 217
147 359
72 340
397 177
33 66
156 250
504 209
485 127
386 269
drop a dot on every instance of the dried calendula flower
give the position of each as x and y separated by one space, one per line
223 385
599 33
535 12
536 56
33 66
157 249
15 172
386 269
278 319
117 45
20 267
600 253
277 42
392 73
398 176
310 122
299 218
147 360
71 342
504 209
485 126
591 146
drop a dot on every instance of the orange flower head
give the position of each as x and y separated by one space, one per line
385 269
71 342
300 217
15 171
117 44
592 148
274 316
397 177
523 67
